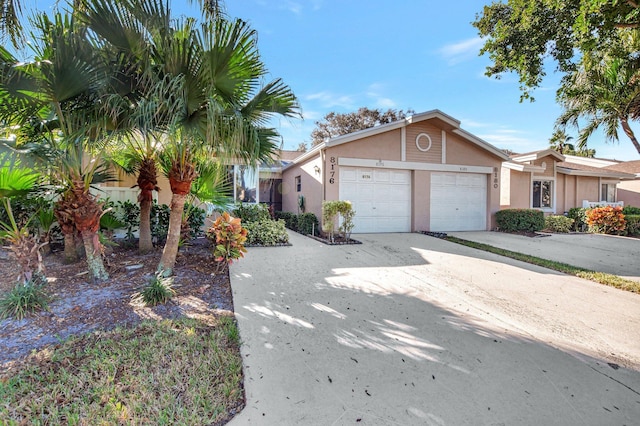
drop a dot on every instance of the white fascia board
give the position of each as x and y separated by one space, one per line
482 144
538 155
307 155
339 140
435 113
593 162
519 167
410 165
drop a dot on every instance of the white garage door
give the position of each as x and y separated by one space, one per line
458 202
380 197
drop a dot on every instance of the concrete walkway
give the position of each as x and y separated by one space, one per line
407 329
602 253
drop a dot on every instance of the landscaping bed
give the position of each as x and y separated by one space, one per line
79 309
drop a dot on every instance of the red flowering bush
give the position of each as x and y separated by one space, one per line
606 220
229 237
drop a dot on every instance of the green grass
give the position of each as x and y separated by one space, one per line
599 277
165 372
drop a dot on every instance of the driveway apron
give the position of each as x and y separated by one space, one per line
407 329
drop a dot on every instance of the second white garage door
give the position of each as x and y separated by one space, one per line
458 202
380 197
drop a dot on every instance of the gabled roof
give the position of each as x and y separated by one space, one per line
536 155
589 161
626 167
523 167
575 169
445 121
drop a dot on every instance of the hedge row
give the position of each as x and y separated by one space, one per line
305 223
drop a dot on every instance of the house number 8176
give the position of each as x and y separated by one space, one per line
332 172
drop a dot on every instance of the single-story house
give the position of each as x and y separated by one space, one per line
628 191
420 173
554 183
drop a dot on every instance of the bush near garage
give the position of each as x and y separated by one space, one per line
308 224
266 233
579 216
517 220
606 220
633 224
558 223
290 219
251 212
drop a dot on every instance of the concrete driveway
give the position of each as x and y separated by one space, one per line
407 329
602 253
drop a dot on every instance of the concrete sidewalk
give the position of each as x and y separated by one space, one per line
407 329
602 253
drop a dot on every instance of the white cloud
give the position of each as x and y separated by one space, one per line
331 100
459 52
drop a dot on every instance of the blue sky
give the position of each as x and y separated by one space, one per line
421 55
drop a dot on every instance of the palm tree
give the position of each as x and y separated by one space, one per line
605 92
60 90
224 112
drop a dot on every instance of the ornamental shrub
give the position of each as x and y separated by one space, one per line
335 210
558 223
579 216
630 210
248 213
606 220
514 220
633 224
290 219
266 233
307 224
229 238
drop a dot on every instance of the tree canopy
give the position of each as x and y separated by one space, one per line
337 124
520 35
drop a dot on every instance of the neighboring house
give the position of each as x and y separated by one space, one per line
628 190
420 173
554 183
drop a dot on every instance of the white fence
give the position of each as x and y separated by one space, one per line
591 204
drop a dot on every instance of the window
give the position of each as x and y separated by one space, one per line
542 193
298 184
246 184
608 193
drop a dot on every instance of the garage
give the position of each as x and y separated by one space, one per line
458 202
381 198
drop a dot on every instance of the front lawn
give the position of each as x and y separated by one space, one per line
174 371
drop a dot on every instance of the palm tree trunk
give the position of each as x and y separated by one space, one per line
627 130
70 253
145 243
147 182
92 248
170 252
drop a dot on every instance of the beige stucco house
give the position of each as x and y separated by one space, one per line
554 183
420 173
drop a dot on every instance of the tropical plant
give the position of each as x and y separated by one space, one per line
606 220
158 290
55 96
24 298
228 237
604 91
